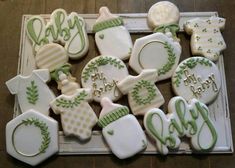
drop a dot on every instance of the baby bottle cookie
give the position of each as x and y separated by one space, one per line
121 130
77 116
102 74
197 77
160 50
206 38
32 91
32 137
183 119
143 94
111 37
66 29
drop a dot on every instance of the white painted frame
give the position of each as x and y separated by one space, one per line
135 23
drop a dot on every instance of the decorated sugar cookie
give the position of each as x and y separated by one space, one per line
32 137
32 91
111 37
197 77
206 38
77 116
121 130
143 94
102 74
183 119
163 13
66 29
157 51
53 57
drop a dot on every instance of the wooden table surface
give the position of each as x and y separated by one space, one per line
11 12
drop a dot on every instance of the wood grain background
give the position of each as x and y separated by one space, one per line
11 12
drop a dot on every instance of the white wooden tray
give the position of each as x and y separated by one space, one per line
135 23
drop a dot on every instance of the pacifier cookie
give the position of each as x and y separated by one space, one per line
197 77
61 28
77 116
206 38
183 119
121 130
102 74
111 37
32 91
143 94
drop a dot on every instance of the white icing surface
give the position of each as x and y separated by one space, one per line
104 14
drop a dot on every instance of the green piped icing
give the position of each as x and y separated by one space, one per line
107 24
113 116
173 28
65 69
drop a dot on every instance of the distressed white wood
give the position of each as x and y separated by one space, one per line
135 23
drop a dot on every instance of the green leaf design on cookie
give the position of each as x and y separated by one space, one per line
32 93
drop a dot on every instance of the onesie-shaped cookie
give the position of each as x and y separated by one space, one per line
77 116
121 130
32 91
143 94
197 77
111 37
183 119
61 28
206 38
102 74
161 50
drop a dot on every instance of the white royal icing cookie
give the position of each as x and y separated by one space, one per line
157 51
143 94
121 130
197 77
77 116
183 119
102 74
32 91
163 13
111 37
206 38
32 137
66 29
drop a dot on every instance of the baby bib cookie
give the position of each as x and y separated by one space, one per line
32 91
102 74
32 137
183 119
163 13
111 37
143 94
77 116
206 38
66 29
121 130
197 77
157 51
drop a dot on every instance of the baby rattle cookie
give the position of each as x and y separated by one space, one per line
206 38
183 119
143 94
102 74
32 137
77 116
121 130
32 91
111 37
197 77
62 28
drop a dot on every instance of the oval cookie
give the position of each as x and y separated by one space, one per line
197 77
102 74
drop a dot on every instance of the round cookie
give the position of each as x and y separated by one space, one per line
197 77
102 74
162 13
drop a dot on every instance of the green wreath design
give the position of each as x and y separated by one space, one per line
140 86
44 132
